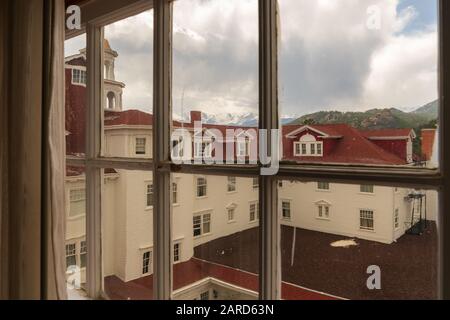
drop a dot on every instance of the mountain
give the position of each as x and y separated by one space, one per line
375 118
429 110
249 119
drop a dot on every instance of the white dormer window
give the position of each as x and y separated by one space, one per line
243 148
78 76
308 146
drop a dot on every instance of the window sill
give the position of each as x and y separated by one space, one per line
366 193
231 192
201 198
367 230
149 208
323 190
232 221
202 236
175 205
323 219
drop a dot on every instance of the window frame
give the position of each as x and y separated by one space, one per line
161 166
366 229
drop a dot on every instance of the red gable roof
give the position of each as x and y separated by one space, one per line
351 147
387 133
128 117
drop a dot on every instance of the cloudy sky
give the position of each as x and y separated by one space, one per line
334 55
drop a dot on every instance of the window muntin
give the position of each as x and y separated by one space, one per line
323 211
78 76
201 187
231 185
366 220
286 210
146 262
140 146
231 214
83 254
396 219
204 295
174 193
71 255
149 195
254 212
323 185
176 252
366 188
202 224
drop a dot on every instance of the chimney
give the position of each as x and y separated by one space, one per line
196 116
428 137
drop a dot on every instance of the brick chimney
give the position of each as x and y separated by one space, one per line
428 137
196 116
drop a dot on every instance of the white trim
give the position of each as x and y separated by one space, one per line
294 133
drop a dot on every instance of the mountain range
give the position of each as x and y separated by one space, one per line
387 118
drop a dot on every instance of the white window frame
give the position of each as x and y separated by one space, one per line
149 190
146 263
431 179
364 187
203 185
396 219
175 193
253 212
80 79
283 217
137 147
205 219
177 252
323 210
322 184
231 184
361 217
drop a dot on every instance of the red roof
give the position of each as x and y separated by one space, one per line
128 117
387 133
351 147
194 270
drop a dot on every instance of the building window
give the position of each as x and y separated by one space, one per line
202 150
254 212
204 295
304 150
202 224
308 146
366 220
71 255
149 195
243 148
178 148
298 151
174 193
77 202
366 188
201 187
78 76
83 254
140 146
324 211
396 219
231 186
319 149
255 183
286 210
176 252
146 262
323 185
231 213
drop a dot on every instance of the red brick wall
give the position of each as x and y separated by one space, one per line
75 116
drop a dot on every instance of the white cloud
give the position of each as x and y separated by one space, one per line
329 58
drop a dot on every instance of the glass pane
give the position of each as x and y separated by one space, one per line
215 79
128 96
75 102
342 243
127 234
359 82
216 239
75 192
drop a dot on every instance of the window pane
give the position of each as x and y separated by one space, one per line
219 255
128 85
127 235
334 240
75 99
75 239
359 82
215 80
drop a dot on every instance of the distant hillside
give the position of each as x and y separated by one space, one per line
375 118
429 110
423 117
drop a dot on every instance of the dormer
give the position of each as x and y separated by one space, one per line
308 141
